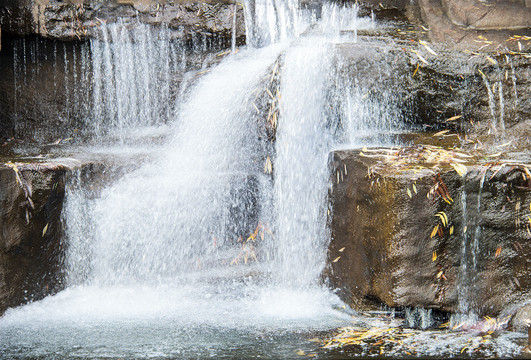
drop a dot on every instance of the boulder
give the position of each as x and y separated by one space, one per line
31 197
481 15
426 236
485 91
474 25
32 241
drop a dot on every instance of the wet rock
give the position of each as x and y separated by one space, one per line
77 21
522 318
389 246
32 242
488 15
486 92
31 197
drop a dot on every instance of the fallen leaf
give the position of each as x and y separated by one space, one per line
268 167
434 231
453 118
498 252
492 60
459 168
420 57
336 259
416 70
430 50
434 256
441 133
342 249
44 230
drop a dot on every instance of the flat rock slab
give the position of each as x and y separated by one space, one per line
411 236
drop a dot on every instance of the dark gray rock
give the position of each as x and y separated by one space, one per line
31 197
78 21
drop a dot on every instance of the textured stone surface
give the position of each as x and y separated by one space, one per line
487 91
31 197
468 25
32 241
382 236
77 21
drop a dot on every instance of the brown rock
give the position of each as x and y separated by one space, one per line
480 15
474 32
383 232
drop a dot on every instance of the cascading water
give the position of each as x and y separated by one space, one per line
301 170
161 264
469 251
132 78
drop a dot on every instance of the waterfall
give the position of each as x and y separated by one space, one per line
199 234
467 307
131 78
271 21
301 171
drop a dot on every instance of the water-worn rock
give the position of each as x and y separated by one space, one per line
473 24
31 197
385 251
32 240
77 21
484 91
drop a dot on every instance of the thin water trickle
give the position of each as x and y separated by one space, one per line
131 81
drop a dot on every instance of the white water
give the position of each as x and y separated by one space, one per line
160 243
131 81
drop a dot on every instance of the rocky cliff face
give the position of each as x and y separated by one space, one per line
424 236
79 21
31 198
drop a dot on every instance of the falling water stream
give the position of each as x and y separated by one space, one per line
200 252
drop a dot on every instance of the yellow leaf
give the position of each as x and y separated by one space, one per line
443 217
434 231
434 256
336 259
420 57
416 70
430 50
453 118
459 168
409 193
439 274
492 60
342 249
464 229
441 133
451 230
300 352
415 189
268 167
44 230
